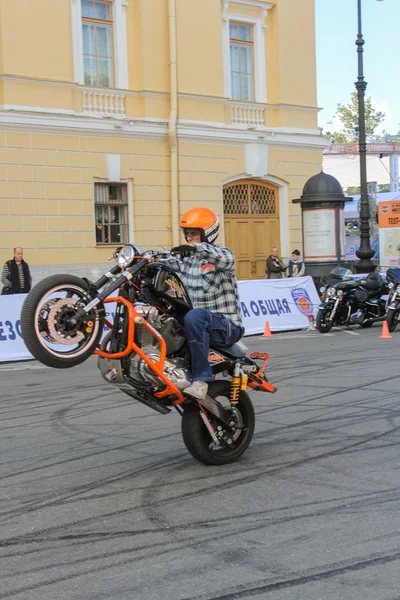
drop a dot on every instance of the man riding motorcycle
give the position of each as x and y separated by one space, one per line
208 272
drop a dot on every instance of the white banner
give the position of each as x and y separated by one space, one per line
12 345
284 303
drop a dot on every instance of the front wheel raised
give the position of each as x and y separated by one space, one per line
198 440
323 323
47 322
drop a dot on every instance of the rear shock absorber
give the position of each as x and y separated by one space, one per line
235 385
243 383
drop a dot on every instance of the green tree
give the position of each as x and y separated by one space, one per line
348 115
353 190
337 138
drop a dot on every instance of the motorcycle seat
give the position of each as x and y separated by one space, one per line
372 293
235 351
373 282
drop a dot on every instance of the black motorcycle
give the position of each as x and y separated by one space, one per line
346 301
145 353
393 309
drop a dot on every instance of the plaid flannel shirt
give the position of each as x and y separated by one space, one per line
209 277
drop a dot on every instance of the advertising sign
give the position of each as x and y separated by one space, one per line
373 148
319 230
389 232
352 231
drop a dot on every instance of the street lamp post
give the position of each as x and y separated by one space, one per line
365 252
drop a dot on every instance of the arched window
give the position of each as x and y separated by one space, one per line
250 197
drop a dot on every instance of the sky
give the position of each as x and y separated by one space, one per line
337 68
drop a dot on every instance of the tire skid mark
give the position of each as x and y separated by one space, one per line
75 493
242 591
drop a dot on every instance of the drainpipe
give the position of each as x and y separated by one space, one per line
172 123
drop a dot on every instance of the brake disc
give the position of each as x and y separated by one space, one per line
58 336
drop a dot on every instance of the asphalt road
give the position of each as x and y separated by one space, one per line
99 498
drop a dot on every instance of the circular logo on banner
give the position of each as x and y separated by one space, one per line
304 305
302 301
384 208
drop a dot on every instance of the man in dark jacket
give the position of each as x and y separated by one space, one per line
16 277
275 267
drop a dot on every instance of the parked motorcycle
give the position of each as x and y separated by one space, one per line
393 309
346 301
145 353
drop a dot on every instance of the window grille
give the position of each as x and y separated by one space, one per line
250 199
111 213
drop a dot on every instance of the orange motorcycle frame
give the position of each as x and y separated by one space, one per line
156 367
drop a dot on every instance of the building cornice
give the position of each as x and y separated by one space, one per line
250 4
157 129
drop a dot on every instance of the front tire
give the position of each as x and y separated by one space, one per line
322 322
392 319
198 440
44 323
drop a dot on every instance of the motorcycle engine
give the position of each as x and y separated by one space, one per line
176 369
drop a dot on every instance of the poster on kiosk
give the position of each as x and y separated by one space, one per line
389 232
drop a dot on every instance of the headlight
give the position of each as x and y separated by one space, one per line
331 292
391 285
126 255
339 293
322 290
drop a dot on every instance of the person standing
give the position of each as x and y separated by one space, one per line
16 277
275 266
296 266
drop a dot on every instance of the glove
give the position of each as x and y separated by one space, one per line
185 250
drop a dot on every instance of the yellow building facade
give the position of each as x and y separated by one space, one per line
116 116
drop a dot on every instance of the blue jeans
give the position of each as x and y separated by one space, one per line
204 328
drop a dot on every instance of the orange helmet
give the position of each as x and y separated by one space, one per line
204 219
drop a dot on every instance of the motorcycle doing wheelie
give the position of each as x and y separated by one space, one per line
393 309
145 353
346 301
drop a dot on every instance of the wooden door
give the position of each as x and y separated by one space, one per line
251 225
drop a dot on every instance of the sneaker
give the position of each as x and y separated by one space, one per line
198 389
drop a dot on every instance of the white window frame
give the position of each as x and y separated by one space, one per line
129 206
259 27
120 43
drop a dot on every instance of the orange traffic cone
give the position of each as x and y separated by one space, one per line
267 330
386 335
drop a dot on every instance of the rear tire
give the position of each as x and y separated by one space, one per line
392 319
30 323
198 440
322 324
